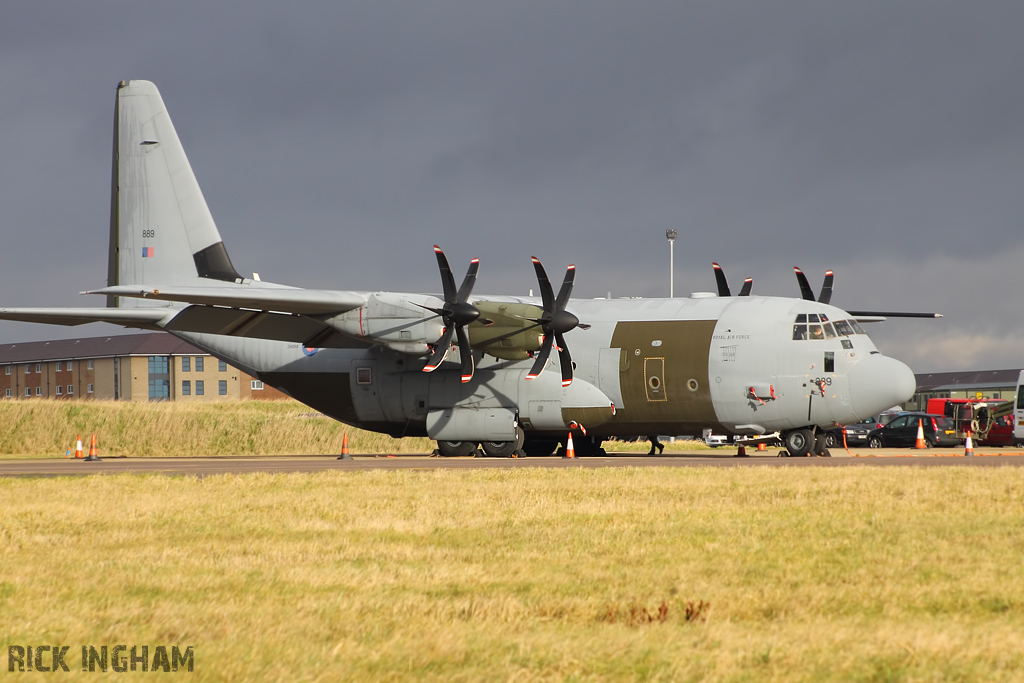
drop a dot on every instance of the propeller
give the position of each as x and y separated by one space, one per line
456 314
555 321
723 285
805 287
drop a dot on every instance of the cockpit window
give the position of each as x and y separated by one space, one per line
815 332
843 328
824 318
812 317
857 328
830 333
801 318
800 331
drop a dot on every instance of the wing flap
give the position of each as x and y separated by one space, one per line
233 322
285 300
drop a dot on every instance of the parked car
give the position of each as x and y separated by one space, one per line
902 431
856 434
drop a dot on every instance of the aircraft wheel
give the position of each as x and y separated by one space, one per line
456 449
498 449
875 442
539 448
821 445
798 442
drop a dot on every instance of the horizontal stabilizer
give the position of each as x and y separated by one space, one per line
286 300
146 318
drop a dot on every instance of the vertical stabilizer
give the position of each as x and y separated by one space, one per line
161 231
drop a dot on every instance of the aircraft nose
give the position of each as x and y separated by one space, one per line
878 383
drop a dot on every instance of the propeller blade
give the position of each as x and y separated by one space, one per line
805 288
564 359
566 290
723 285
826 288
748 284
444 344
542 358
436 311
467 284
545 284
447 280
466 352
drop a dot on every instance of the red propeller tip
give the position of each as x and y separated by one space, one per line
437 249
716 266
566 382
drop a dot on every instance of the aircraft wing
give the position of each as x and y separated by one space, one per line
129 317
285 300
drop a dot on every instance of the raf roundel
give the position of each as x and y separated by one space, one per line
309 350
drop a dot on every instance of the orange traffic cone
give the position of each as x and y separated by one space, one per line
968 446
569 452
92 450
741 452
344 448
78 449
920 436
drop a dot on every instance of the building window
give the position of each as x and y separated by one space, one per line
8 394
60 366
186 364
7 369
222 387
158 365
28 369
70 365
90 366
256 385
89 388
199 387
71 389
39 367
60 390
159 389
222 366
199 363
39 391
186 388
28 392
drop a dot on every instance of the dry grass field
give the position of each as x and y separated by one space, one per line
693 574
47 428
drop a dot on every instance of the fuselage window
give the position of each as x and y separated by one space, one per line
799 332
816 332
843 328
830 333
830 361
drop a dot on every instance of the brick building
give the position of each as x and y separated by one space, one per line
153 366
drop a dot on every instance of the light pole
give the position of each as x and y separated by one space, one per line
671 235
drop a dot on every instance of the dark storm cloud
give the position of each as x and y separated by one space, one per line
336 143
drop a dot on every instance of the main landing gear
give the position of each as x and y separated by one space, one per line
800 443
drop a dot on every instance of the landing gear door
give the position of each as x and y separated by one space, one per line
365 385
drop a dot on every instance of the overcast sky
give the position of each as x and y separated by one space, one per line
336 142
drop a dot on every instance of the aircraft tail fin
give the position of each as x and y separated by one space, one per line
161 230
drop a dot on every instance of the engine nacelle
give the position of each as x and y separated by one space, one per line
395 321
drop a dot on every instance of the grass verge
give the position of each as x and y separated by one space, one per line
739 574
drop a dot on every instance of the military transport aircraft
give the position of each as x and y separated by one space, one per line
464 369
